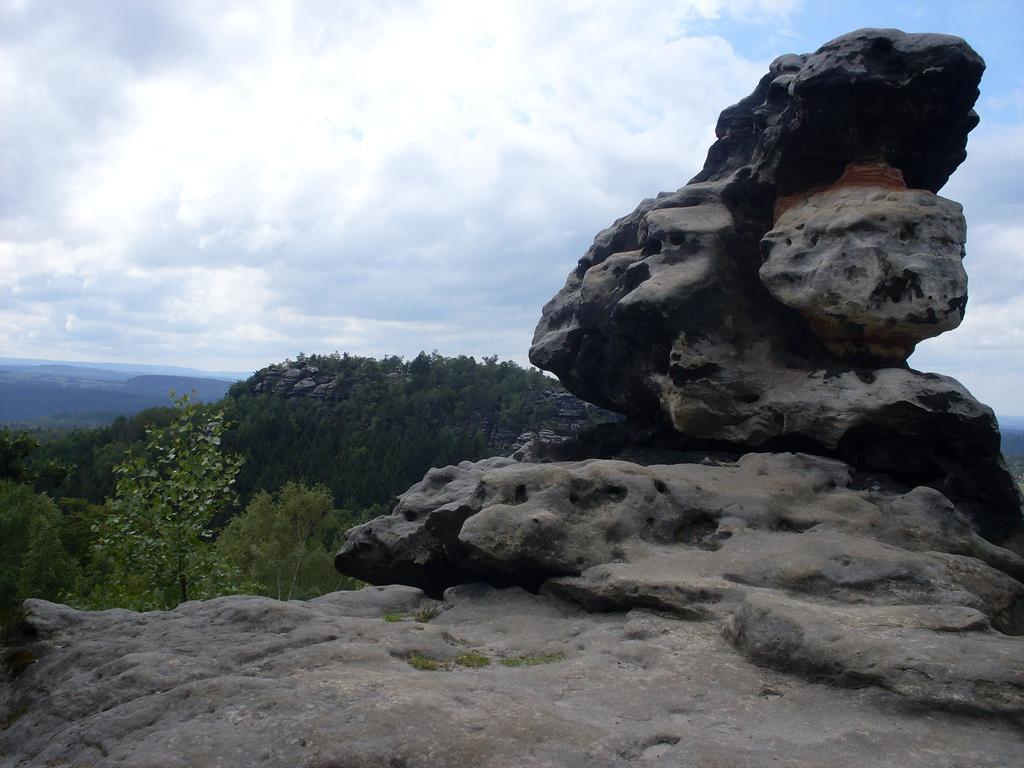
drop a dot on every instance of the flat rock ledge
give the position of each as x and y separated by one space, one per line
386 676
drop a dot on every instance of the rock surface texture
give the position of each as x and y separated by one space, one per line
521 680
790 554
773 301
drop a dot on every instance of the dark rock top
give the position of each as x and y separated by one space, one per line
773 301
870 96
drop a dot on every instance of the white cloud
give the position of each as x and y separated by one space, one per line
439 165
986 352
222 185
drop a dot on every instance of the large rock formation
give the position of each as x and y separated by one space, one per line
771 305
788 555
773 301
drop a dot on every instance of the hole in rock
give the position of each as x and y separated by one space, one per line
520 494
616 492
409 515
794 526
881 44
696 530
659 486
1010 621
651 247
676 239
636 274
616 534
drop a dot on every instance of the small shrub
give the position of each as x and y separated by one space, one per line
392 617
532 661
472 659
423 615
418 661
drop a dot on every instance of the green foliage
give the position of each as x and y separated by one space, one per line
15 448
532 661
156 541
90 455
392 617
280 544
35 563
389 422
418 661
423 615
472 659
140 503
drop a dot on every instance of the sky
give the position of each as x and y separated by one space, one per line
223 185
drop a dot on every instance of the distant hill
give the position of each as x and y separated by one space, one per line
51 394
206 390
365 428
1011 422
126 370
1013 441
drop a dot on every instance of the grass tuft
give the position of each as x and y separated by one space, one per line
418 661
392 617
472 659
423 615
532 661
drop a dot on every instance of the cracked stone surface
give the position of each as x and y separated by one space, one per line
250 681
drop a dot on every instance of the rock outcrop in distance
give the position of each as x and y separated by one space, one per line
791 553
555 415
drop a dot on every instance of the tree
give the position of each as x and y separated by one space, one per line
280 544
34 562
15 448
157 539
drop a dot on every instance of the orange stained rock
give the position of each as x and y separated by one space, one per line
868 175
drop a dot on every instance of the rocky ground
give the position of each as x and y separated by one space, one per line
348 680
780 609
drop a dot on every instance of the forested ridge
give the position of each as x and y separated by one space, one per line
308 467
255 492
387 423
